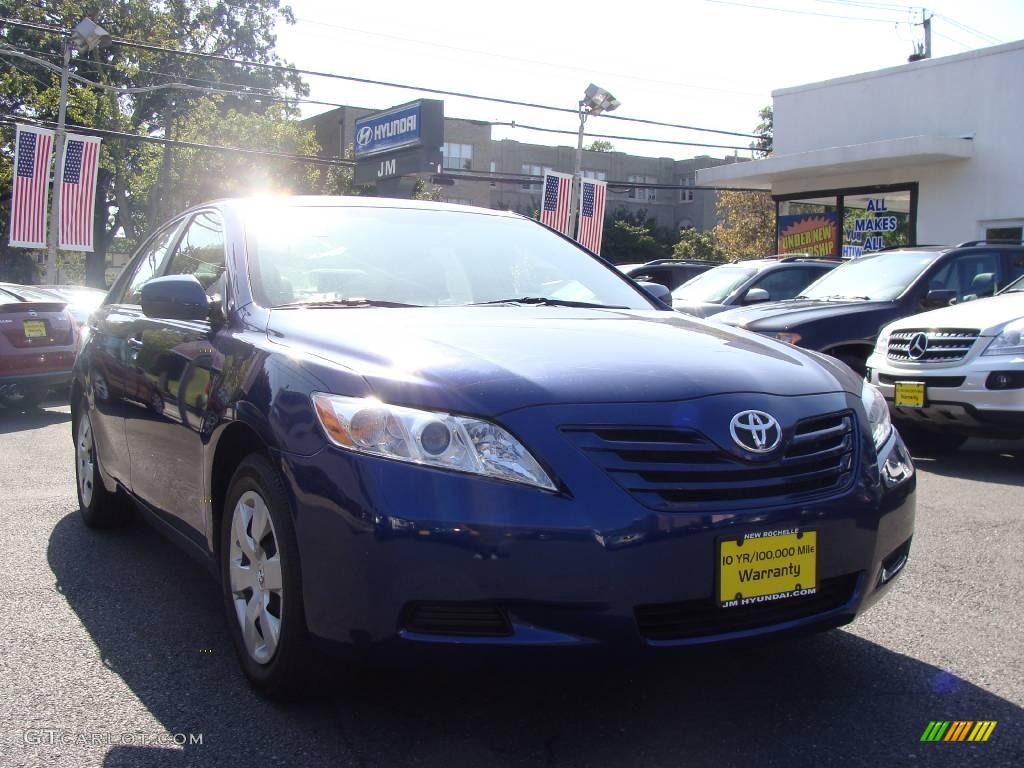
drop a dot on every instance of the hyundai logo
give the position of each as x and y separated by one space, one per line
364 135
918 346
755 431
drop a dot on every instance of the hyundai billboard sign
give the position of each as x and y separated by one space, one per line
403 127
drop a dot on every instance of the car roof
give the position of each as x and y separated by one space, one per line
243 204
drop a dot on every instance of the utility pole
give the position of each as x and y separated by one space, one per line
58 170
574 190
926 22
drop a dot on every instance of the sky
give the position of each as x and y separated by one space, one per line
706 63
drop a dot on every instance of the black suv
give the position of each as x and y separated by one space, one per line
669 272
842 313
742 283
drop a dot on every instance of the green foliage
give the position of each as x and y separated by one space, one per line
424 191
698 245
131 171
634 238
766 131
600 145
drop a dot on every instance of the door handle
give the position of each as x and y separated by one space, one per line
135 343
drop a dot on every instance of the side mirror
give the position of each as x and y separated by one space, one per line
175 297
657 291
939 297
756 296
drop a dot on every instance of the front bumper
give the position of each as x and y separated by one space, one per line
378 539
957 397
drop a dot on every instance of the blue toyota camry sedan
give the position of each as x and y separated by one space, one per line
392 422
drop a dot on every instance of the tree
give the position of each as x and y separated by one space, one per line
697 245
131 172
746 228
600 145
633 237
765 130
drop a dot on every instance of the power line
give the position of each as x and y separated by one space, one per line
12 119
615 186
969 30
804 13
515 124
369 81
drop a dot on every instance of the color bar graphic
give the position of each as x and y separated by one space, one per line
958 730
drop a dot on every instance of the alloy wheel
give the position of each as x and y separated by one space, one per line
85 463
254 568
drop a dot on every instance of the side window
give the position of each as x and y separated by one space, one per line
972 276
785 283
201 253
148 265
1015 261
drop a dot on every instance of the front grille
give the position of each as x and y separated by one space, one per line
678 469
456 618
944 345
704 618
950 382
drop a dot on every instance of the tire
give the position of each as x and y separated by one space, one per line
926 442
263 607
99 507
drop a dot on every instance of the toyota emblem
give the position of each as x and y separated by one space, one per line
918 346
363 136
755 431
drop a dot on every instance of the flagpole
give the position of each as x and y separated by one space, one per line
58 167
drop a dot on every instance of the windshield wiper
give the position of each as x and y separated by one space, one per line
356 302
547 302
835 297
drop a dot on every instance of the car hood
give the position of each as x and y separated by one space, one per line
986 315
782 315
487 360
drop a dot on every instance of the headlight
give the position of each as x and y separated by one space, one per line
435 439
1009 342
789 338
878 413
882 344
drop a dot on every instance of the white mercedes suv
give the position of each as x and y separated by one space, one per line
956 371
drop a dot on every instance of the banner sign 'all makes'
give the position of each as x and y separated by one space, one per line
813 234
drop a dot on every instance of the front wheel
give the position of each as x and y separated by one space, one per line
260 577
100 507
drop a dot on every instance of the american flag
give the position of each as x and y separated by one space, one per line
33 147
591 215
78 192
555 209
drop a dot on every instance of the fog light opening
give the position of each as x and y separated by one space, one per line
894 563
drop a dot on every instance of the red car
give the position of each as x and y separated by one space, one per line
38 343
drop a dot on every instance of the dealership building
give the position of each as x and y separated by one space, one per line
469 149
929 152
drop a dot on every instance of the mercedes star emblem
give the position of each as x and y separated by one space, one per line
755 431
918 346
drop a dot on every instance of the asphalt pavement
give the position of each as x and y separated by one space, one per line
112 646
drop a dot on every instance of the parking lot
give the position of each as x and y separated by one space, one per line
118 633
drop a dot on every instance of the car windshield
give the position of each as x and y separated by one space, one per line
421 257
714 285
879 277
1017 286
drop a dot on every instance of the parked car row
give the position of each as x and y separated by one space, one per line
956 370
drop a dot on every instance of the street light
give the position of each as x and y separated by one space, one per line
595 101
85 37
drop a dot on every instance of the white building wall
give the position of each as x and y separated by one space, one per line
979 94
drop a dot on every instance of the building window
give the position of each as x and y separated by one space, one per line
686 195
532 170
457 157
598 175
456 200
642 194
